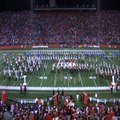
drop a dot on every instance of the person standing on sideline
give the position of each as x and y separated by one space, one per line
77 97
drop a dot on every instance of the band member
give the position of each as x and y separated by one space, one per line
116 86
53 67
20 88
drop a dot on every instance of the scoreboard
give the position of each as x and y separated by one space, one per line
65 4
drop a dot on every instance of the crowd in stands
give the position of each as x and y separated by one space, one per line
46 111
65 28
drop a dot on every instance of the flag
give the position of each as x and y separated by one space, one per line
90 53
64 93
6 55
41 56
95 53
28 54
83 53
58 53
85 98
55 99
119 53
113 53
3 96
22 53
39 101
36 54
102 55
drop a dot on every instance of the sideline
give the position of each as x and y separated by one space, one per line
56 88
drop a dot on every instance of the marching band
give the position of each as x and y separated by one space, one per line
22 64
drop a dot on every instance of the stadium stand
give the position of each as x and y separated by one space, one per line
28 28
44 111
67 29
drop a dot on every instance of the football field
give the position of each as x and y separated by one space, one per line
90 67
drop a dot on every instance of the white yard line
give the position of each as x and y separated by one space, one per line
67 78
29 80
94 82
92 79
80 77
106 79
105 62
3 81
111 59
15 83
2 71
43 76
55 78
114 62
41 83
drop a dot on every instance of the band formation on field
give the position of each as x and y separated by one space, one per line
59 68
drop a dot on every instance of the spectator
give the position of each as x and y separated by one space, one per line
7 115
76 28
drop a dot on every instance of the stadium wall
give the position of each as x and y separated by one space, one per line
57 46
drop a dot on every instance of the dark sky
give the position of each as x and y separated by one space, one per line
25 4
110 4
14 4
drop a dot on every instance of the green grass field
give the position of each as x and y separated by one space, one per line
57 79
45 78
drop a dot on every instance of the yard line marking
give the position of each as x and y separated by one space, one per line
41 82
1 72
55 78
3 68
43 73
113 62
15 83
68 74
106 79
3 81
80 77
93 79
43 76
38 73
105 62
91 75
94 82
30 79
